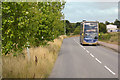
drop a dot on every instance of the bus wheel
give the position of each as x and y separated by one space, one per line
82 44
95 44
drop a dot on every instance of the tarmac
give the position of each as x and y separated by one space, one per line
112 46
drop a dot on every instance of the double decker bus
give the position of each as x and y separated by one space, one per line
89 32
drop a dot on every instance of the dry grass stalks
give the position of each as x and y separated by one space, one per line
41 62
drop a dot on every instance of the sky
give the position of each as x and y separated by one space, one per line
90 11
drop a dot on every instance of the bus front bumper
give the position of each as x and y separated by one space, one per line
95 43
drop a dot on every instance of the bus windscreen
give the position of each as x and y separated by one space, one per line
90 28
90 31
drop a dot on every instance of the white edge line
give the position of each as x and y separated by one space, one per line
109 70
91 55
98 60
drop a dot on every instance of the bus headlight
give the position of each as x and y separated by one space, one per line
99 34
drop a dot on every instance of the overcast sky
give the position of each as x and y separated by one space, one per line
91 11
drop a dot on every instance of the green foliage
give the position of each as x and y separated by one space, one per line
105 36
107 23
36 23
70 27
117 22
102 28
109 37
78 24
77 30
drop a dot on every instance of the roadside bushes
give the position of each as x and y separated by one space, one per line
77 31
109 37
105 36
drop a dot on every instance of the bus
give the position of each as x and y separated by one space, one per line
89 32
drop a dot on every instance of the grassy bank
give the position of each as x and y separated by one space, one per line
110 38
41 62
73 36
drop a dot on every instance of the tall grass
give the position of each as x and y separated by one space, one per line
41 62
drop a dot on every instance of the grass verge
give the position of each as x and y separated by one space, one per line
40 65
112 38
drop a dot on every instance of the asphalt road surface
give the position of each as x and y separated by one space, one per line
77 61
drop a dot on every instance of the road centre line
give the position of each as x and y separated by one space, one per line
109 70
87 51
98 60
91 55
83 48
77 42
81 45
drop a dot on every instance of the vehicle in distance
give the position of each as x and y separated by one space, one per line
89 32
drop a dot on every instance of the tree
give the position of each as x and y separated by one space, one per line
36 23
72 27
102 28
77 30
78 24
106 22
117 22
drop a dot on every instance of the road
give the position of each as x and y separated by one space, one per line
77 61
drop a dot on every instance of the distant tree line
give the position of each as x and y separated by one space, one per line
70 27
74 28
102 26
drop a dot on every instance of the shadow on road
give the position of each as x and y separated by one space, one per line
90 45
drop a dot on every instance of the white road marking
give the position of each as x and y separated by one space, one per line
109 70
87 51
98 60
74 39
83 48
91 55
79 44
